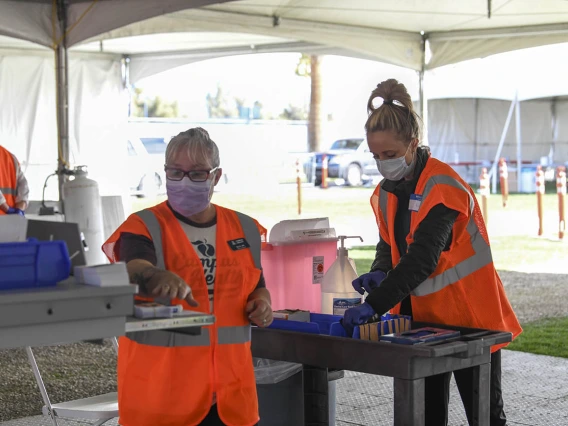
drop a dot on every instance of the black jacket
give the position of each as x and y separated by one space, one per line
418 261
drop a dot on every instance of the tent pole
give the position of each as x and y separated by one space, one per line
62 97
422 98
519 146
554 131
493 172
476 135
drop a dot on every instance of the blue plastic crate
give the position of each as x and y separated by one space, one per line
33 264
319 324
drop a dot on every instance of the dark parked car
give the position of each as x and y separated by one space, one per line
348 159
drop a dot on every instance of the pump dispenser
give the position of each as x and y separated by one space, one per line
337 293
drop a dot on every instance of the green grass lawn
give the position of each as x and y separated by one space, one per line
544 337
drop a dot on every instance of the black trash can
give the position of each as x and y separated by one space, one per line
282 403
303 398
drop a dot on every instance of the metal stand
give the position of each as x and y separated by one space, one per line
39 381
101 408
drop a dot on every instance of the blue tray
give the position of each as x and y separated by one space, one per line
33 264
319 324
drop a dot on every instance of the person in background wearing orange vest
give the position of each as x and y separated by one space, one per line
433 260
207 258
13 185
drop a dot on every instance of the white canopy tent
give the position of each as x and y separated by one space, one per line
418 34
470 101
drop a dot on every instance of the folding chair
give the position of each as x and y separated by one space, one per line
100 408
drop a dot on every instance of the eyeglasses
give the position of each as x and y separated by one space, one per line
193 175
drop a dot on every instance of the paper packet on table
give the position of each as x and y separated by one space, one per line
389 324
292 315
106 275
156 310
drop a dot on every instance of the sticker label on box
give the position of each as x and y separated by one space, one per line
341 305
317 269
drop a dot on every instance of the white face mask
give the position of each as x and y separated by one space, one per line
396 169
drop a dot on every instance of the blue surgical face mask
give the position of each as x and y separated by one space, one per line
396 169
187 197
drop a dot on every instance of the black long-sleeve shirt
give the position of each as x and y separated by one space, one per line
419 260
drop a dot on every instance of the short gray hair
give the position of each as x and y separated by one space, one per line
197 144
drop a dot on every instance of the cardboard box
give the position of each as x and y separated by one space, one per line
389 324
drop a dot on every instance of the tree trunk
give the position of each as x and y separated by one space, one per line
315 119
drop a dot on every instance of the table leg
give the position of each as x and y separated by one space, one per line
481 387
409 409
316 396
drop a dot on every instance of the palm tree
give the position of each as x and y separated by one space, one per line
310 66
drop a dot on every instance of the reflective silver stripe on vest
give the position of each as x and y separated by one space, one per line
232 335
252 235
225 336
481 258
8 191
168 339
151 222
16 165
383 205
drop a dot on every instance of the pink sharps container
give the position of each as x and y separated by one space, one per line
294 261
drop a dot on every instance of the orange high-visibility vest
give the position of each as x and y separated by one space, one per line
168 379
465 289
8 177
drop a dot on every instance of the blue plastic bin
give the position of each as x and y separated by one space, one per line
319 324
33 264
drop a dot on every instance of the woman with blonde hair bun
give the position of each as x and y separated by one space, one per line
433 261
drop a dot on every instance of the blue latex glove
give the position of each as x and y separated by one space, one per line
368 282
356 316
13 210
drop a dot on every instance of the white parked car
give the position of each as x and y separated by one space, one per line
146 157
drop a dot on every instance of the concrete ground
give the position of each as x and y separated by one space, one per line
535 393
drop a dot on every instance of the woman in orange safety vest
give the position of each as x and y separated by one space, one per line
433 260
206 258
13 185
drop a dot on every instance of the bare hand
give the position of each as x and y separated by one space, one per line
260 312
168 284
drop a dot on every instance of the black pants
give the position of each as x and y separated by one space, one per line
437 392
212 418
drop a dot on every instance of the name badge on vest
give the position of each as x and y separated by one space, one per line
238 244
414 203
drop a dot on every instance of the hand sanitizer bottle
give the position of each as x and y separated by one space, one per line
337 293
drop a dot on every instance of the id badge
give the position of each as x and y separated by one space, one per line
414 203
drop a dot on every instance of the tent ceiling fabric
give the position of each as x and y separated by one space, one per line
31 20
389 30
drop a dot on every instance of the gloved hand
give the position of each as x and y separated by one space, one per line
13 210
356 316
368 282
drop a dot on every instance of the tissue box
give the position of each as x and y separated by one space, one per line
292 315
388 324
